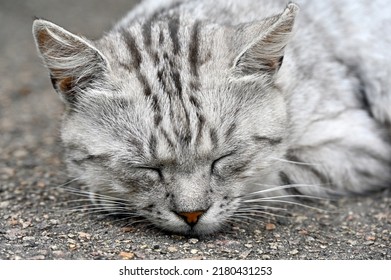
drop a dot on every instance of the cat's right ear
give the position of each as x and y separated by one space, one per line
264 54
74 63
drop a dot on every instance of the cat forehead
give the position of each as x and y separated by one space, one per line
166 43
175 34
165 65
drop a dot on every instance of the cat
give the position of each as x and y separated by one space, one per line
187 112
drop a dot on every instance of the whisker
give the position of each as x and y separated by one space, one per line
108 206
102 202
96 195
66 183
90 208
296 162
134 222
257 207
284 187
105 212
262 215
255 213
238 220
251 218
261 199
297 204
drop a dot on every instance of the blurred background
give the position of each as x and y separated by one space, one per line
21 71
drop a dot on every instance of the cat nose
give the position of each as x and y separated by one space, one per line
191 218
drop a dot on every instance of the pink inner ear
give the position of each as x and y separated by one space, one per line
42 38
63 84
66 84
73 62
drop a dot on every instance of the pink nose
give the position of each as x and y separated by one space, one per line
191 218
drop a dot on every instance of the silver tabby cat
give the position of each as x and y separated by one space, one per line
187 111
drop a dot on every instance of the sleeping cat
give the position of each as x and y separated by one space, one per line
188 111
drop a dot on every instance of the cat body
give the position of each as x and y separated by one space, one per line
187 111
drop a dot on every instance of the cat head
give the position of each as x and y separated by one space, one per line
172 119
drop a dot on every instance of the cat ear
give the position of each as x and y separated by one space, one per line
74 63
266 52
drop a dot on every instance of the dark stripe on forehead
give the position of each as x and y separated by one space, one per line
123 103
157 110
147 33
200 127
136 61
195 85
152 146
178 85
137 144
145 84
156 58
194 49
173 27
167 138
161 37
201 119
230 130
213 137
161 79
157 119
140 77
177 81
194 101
133 49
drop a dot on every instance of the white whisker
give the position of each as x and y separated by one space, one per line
296 203
284 187
256 212
96 195
262 199
296 162
251 217
66 183
255 206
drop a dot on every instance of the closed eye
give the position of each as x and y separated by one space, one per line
214 163
157 170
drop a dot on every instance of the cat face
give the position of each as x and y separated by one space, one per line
162 171
166 123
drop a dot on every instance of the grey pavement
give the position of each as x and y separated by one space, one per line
36 221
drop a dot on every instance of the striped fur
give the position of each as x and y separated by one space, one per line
198 106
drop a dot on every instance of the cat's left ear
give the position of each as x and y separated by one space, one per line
74 63
265 54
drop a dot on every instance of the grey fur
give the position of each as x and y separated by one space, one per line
198 106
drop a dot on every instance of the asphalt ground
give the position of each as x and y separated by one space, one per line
36 217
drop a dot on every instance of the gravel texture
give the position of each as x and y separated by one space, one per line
35 217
